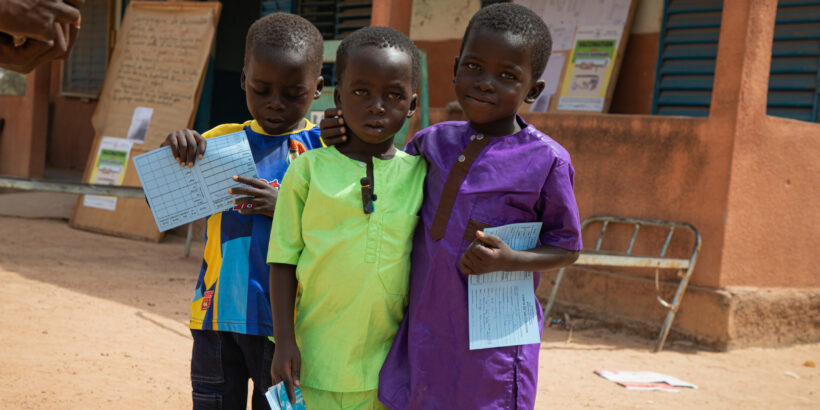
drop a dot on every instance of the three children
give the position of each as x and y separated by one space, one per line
230 313
345 216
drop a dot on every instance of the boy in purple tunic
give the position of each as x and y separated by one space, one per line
492 170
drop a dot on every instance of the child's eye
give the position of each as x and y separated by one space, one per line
471 66
508 76
296 96
258 91
360 92
394 96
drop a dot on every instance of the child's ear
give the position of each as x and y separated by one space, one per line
413 104
535 91
320 84
242 79
455 68
337 98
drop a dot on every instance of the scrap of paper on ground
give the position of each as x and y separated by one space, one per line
643 380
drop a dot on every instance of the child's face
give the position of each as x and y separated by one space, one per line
279 87
493 76
376 92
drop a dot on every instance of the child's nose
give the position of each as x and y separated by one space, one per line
485 85
377 108
276 103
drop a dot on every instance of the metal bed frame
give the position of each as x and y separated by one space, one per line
597 257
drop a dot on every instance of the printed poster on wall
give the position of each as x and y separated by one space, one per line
588 75
109 169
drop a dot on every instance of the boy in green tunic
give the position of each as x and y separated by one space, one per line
343 230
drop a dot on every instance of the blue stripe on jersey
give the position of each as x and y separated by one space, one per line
232 305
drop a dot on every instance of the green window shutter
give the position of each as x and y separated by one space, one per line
686 58
322 13
273 6
351 15
335 20
794 80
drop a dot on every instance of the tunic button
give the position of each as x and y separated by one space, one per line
362 165
479 137
472 137
461 158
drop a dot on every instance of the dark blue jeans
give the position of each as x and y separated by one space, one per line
222 363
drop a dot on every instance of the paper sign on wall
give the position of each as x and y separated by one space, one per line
139 124
109 169
587 77
562 16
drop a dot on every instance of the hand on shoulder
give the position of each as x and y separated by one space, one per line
332 127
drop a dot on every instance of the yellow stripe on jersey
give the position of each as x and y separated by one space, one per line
222 130
213 257
255 127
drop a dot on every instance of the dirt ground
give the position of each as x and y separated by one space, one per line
93 321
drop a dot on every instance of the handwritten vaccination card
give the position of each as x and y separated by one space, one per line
178 195
501 305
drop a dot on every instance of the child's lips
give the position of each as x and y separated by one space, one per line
481 100
375 127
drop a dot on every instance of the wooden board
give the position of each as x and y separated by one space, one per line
159 62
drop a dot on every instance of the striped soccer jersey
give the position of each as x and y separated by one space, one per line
232 290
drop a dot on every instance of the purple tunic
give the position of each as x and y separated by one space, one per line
524 177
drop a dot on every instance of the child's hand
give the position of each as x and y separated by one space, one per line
332 127
286 365
186 145
260 196
487 253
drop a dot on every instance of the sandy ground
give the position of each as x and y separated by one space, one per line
93 321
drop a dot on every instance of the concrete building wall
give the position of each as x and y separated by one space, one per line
437 27
23 139
435 20
70 134
773 203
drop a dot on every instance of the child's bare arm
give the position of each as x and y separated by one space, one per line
259 197
488 253
332 127
287 360
186 145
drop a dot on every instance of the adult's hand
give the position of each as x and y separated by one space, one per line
34 19
25 58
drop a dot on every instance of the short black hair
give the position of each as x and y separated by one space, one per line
381 37
518 20
289 32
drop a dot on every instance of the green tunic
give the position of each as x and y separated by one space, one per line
353 268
